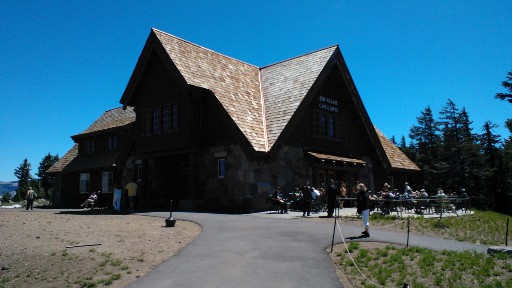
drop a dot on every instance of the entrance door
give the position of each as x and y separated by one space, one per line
324 176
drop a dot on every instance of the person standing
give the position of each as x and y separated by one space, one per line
116 202
343 191
30 199
332 192
363 207
131 189
306 199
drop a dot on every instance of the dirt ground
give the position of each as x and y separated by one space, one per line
90 248
40 248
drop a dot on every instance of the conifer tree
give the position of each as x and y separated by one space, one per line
507 84
47 181
425 141
24 178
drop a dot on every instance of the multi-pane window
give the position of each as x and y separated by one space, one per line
111 143
147 123
164 118
221 167
326 125
85 181
156 120
173 117
161 119
107 182
90 147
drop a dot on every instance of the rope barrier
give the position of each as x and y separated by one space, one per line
350 256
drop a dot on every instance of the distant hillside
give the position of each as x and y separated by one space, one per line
8 187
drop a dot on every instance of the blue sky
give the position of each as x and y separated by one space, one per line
63 63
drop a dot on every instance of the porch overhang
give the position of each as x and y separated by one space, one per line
336 159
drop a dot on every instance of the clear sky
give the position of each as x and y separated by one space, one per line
63 63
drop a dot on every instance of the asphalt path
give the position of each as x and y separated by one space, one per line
261 250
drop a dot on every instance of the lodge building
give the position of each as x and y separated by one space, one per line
210 132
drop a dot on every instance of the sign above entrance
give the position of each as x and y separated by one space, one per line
328 104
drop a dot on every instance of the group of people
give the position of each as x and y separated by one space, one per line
408 194
334 193
131 193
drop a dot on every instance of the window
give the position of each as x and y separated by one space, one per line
221 167
107 182
165 119
156 120
173 110
139 172
111 143
90 147
85 181
147 123
161 119
326 125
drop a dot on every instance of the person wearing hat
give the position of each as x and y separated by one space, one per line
423 193
363 207
30 199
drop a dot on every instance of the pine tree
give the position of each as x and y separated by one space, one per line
47 181
493 169
450 153
425 141
507 84
24 178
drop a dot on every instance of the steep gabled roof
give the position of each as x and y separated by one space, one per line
260 101
285 85
110 119
396 157
235 83
64 161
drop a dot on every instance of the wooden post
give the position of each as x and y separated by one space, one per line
333 233
408 230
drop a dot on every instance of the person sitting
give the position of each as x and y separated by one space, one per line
423 194
90 201
277 197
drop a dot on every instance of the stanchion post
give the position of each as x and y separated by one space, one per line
333 233
506 234
408 230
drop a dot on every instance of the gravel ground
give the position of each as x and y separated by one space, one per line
87 248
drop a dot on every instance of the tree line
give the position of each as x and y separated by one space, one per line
453 157
42 185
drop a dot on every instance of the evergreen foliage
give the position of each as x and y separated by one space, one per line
46 181
507 84
453 157
24 179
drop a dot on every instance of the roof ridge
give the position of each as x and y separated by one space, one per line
263 111
300 56
199 46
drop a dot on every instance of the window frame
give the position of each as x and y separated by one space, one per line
108 185
85 183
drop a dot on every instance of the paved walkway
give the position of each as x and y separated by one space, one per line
266 250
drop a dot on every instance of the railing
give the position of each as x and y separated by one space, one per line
432 205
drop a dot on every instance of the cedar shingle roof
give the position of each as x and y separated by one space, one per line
235 83
284 86
260 101
396 157
64 161
111 119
